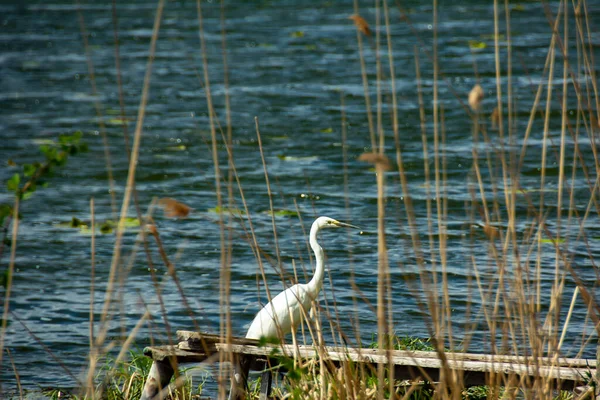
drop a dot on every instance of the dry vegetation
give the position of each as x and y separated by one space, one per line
512 308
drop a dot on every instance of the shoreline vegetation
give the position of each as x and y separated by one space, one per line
515 224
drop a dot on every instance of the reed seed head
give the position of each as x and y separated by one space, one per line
476 97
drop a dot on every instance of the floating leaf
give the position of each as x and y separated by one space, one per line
112 111
476 45
297 34
174 209
284 213
311 47
179 147
327 130
131 222
118 121
226 210
551 241
11 163
41 142
361 24
294 158
106 228
518 7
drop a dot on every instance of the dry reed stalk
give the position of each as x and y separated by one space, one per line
93 356
379 77
118 74
17 377
558 275
395 128
131 172
271 208
344 133
172 272
226 272
224 257
279 266
11 270
99 110
381 165
46 349
365 81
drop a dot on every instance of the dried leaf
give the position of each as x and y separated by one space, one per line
475 97
151 229
173 208
491 231
378 159
361 24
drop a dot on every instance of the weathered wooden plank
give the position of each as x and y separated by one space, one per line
474 369
266 380
239 382
158 378
163 353
203 341
194 337
371 357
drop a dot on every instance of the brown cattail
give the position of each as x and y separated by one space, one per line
491 232
361 24
495 118
173 208
475 97
379 160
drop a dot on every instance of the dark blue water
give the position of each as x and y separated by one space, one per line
288 65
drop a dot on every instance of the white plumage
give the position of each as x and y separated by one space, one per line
287 306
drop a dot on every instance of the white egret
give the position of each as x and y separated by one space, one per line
287 306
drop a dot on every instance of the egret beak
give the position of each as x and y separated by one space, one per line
344 225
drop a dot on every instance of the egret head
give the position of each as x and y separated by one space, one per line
326 222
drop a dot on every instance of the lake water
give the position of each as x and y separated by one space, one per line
288 63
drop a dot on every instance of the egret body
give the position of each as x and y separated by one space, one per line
285 310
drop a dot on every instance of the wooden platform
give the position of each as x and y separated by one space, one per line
475 369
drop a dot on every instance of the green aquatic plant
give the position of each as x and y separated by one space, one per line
24 183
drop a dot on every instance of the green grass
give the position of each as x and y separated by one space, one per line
125 380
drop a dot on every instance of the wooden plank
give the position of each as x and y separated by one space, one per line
475 369
192 338
370 357
206 341
158 378
266 380
239 381
163 353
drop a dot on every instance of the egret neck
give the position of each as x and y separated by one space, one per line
314 286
